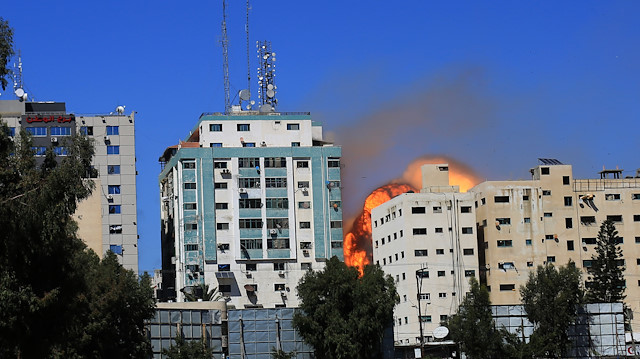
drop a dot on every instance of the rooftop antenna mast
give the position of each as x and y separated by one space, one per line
248 58
18 85
225 58
266 77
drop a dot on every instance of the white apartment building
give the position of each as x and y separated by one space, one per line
250 202
108 218
427 242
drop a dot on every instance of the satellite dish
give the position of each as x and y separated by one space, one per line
270 93
19 92
265 108
244 95
270 87
440 332
120 110
249 288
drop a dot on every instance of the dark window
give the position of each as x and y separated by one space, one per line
278 287
565 179
250 202
465 209
439 251
243 127
544 170
295 144
115 229
222 205
505 243
418 210
588 241
293 126
220 185
568 223
275 182
551 259
251 267
501 199
224 267
548 214
419 231
191 247
305 245
587 263
568 201
527 220
305 225
336 224
635 196
302 164
189 185
114 209
278 266
525 198
86 130
467 251
506 287
570 245
420 253
612 196
615 218
546 192
190 206
438 230
114 189
188 165
467 230
251 243
249 223
503 221
278 243
277 203
469 273
251 162
249 182
111 131
587 220
215 144
225 288
636 217
333 163
222 226
275 162
441 273
248 144
215 127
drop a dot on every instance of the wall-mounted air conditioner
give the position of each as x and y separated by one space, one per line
54 139
242 190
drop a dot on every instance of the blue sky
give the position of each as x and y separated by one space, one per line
494 84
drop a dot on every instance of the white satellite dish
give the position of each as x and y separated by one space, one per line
440 332
19 92
270 93
270 87
265 108
120 110
244 95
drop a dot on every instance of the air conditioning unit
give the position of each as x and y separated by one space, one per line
249 275
242 190
109 197
106 138
281 273
305 252
54 139
273 231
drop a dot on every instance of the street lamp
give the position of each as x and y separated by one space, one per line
420 273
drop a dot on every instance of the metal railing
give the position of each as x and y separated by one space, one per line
594 185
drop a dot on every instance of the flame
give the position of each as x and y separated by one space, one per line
357 244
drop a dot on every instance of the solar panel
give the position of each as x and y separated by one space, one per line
549 161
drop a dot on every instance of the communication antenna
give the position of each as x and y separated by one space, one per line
18 85
225 58
266 77
248 47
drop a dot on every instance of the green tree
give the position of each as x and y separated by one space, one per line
56 298
6 51
473 328
203 292
551 298
343 315
281 354
606 272
188 349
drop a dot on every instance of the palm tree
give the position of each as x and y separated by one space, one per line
201 291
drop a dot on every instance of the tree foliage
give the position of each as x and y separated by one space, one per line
6 51
606 272
343 315
474 329
57 299
281 354
188 349
551 298
203 292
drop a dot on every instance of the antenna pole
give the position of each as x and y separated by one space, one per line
248 59
225 58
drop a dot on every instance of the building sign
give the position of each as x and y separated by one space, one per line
49 118
631 351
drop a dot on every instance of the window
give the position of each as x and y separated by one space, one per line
190 226
588 241
587 263
635 196
420 253
546 192
37 131
249 223
544 170
243 127
220 185
636 217
64 131
86 130
304 225
248 144
251 243
336 224
275 182
551 259
568 201
401 231
525 198
527 220
302 164
113 169
467 230
470 273
189 185
220 165
612 196
528 242
114 209
251 267
441 273
529 264
275 162
467 251
278 287
278 243
418 210
438 230
443 317
222 205
615 218
249 182
505 243
306 266
113 130
503 221
305 245
224 288
506 287
425 318
419 231
303 184
115 229
222 226
333 164
501 199
215 144
587 220
483 201
565 180
295 144
215 127
437 209
570 246
293 126
336 244
442 295
114 189
190 206
60 151
250 202
277 223
637 240
277 203
465 209
188 165
568 223
619 240
224 267
278 266
248 162
439 251
548 214
304 204
113 150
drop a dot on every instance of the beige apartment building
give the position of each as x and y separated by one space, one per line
554 218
